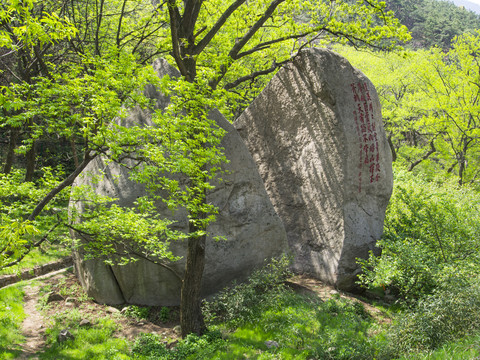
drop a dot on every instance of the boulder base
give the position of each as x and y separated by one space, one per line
246 219
317 137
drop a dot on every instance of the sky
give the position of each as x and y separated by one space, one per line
473 5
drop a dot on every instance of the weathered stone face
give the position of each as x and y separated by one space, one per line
317 137
246 218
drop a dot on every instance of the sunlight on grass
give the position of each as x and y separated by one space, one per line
95 342
304 328
11 317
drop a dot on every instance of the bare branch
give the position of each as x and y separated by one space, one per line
254 75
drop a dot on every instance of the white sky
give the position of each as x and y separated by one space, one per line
475 1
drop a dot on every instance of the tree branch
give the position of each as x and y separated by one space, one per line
67 182
424 157
243 41
30 247
255 74
218 25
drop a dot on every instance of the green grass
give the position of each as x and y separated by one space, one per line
304 328
92 342
48 253
11 316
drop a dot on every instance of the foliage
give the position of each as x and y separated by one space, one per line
11 316
17 234
164 314
91 70
303 327
457 350
44 254
430 238
448 315
137 312
237 304
150 346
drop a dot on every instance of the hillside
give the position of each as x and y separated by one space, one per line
433 22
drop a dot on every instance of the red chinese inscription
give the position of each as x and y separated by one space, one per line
369 156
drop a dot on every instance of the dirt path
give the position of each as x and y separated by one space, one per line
33 327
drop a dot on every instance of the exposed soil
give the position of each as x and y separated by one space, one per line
62 292
33 327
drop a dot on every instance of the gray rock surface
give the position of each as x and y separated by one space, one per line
246 218
317 137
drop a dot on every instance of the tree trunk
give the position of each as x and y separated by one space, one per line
30 163
191 318
11 150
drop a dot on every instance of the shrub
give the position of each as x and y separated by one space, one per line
137 312
448 315
150 346
239 303
431 237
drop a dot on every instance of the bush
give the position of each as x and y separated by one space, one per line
238 304
431 237
150 346
447 315
137 312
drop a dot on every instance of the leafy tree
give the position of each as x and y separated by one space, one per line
221 49
451 91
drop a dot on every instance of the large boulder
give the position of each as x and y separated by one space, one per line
246 219
317 137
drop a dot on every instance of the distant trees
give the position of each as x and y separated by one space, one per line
433 22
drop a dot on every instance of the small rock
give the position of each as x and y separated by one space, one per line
65 335
140 323
54 297
333 292
112 310
177 329
271 344
84 322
